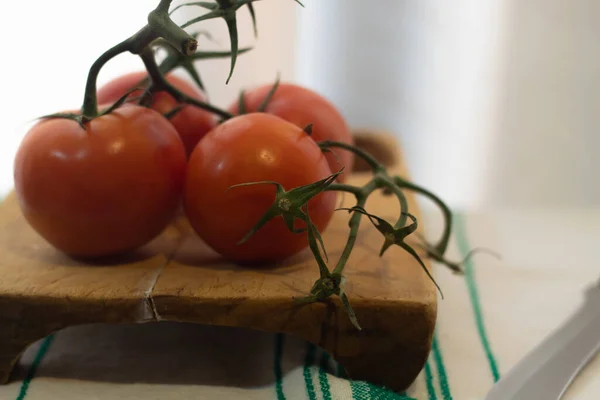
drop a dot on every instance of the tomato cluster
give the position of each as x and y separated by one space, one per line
112 184
257 180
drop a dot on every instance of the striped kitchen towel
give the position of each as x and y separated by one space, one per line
489 319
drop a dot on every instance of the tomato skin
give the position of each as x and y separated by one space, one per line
191 122
302 106
250 148
105 190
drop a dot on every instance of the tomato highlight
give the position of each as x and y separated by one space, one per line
302 106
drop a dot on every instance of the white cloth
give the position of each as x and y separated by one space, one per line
549 258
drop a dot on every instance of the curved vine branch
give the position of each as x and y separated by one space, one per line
159 83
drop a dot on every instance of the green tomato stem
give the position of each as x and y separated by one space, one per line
385 181
341 187
164 26
373 163
164 6
224 3
159 25
90 101
160 83
354 226
442 244
314 247
361 200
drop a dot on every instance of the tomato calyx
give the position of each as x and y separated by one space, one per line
290 205
159 83
327 286
160 29
82 119
263 106
175 59
395 236
70 116
242 107
226 9
308 129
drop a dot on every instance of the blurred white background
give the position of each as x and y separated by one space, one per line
496 102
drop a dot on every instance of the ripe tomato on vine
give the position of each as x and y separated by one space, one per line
250 148
192 123
302 106
257 187
105 189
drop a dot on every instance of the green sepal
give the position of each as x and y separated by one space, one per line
308 129
288 204
263 105
242 109
188 61
240 3
188 66
229 15
271 213
253 16
82 119
289 222
231 21
215 13
227 10
442 245
203 55
395 236
203 4
175 59
413 253
174 112
302 194
350 311
122 100
70 116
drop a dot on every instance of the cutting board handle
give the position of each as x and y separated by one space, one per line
381 145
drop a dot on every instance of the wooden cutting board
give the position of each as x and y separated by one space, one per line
178 278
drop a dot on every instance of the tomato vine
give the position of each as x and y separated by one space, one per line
161 32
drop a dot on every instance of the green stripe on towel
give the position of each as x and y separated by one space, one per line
463 247
308 364
366 391
279 340
323 381
441 368
33 369
429 382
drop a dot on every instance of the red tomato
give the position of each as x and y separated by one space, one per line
191 122
250 148
301 107
104 190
